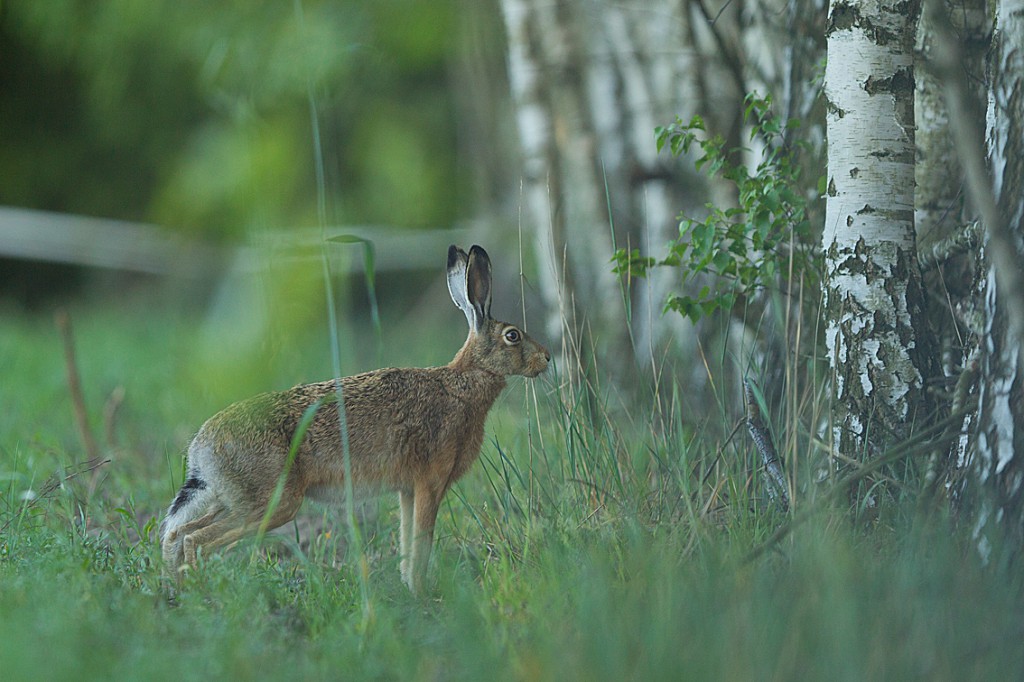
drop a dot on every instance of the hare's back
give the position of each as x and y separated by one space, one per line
397 420
242 449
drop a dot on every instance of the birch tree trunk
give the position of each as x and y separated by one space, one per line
590 82
999 456
939 200
945 224
875 330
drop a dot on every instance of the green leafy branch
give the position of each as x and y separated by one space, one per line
745 247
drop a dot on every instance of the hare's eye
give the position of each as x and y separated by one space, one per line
512 336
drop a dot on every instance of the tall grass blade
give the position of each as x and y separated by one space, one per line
300 433
321 189
369 273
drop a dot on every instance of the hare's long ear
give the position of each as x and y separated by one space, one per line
458 263
478 285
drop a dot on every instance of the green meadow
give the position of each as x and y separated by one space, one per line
597 538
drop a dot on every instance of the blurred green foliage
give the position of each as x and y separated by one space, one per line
196 115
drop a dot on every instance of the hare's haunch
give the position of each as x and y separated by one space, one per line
414 431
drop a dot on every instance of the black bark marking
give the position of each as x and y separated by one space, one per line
900 83
845 16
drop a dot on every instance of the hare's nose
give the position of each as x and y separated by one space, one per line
547 355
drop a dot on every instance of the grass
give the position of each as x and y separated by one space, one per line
590 542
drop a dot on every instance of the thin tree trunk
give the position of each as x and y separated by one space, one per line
939 203
999 462
590 82
943 219
877 346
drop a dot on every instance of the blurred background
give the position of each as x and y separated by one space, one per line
196 117
181 163
168 171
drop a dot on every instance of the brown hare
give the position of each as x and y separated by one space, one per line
414 431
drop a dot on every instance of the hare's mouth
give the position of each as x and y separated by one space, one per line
536 370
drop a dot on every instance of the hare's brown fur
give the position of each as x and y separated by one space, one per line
414 431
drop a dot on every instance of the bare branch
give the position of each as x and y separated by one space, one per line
63 321
110 410
733 58
963 240
778 491
54 483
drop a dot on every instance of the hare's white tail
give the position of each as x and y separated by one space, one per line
195 500
190 502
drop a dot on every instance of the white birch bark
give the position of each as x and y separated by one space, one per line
998 465
536 131
872 280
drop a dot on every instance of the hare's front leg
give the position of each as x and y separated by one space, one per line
405 535
426 502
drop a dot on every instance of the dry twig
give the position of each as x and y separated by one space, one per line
63 321
56 482
778 491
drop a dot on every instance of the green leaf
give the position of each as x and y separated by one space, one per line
660 137
369 274
722 260
708 307
688 307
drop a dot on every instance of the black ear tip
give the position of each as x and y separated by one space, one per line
453 255
479 252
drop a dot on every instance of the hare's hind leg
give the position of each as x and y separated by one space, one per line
172 545
173 542
221 532
239 521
